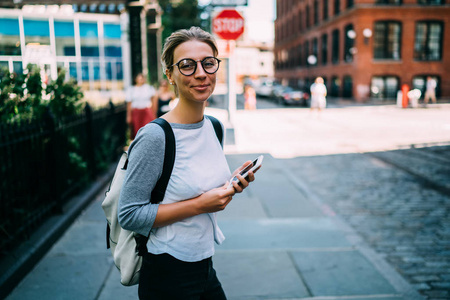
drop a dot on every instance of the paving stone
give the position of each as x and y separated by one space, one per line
340 273
82 275
282 234
425 278
258 275
421 286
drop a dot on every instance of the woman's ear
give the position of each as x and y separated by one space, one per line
169 76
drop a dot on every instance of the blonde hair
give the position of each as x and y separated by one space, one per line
181 36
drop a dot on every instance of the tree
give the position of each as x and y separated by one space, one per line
181 15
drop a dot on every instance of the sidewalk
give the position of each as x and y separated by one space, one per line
281 244
282 241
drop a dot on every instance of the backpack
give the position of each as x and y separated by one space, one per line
127 247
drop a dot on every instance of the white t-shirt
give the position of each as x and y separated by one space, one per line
431 85
318 90
140 96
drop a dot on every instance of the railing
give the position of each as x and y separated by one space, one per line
45 162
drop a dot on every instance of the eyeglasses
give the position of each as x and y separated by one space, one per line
188 66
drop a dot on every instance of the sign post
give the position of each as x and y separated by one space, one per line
229 25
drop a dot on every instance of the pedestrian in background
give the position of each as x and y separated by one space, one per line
249 97
139 104
318 95
182 229
162 98
430 91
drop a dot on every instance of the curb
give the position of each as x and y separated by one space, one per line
23 259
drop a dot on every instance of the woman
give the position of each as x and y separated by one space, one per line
249 97
318 95
162 98
139 104
183 226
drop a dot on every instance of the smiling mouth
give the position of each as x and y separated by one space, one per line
201 87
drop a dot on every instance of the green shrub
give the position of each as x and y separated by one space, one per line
24 96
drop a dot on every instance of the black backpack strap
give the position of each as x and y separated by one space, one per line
169 160
160 187
217 128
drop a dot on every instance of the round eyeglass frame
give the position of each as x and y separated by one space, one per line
196 64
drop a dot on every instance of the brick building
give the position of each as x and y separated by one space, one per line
363 48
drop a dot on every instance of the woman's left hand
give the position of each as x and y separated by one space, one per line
243 183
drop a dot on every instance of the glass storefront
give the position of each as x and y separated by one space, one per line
87 46
384 87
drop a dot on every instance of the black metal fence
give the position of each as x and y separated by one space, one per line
45 162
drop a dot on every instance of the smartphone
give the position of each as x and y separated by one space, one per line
250 167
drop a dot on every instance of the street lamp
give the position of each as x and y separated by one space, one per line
312 59
351 34
367 33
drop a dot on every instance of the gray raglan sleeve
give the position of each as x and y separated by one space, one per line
145 163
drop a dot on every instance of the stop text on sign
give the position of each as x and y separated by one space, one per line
228 25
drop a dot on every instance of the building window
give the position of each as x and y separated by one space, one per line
349 43
113 47
64 38
89 39
306 53
315 50
325 9
389 2
300 22
383 87
324 49
316 12
335 86
37 33
431 2
428 43
337 7
419 82
292 58
307 17
350 3
10 37
347 91
300 58
335 47
387 39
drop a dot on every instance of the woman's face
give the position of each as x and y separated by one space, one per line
164 85
200 85
140 79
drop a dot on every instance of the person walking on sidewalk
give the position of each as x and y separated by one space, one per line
249 97
183 226
430 91
318 95
139 104
162 98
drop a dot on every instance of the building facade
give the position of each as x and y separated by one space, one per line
102 46
363 48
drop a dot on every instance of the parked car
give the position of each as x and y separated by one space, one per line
276 92
266 87
290 96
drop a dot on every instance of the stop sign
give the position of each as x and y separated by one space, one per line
228 24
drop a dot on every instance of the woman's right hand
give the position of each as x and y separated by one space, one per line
211 201
216 199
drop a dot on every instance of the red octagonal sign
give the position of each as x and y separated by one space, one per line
228 24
